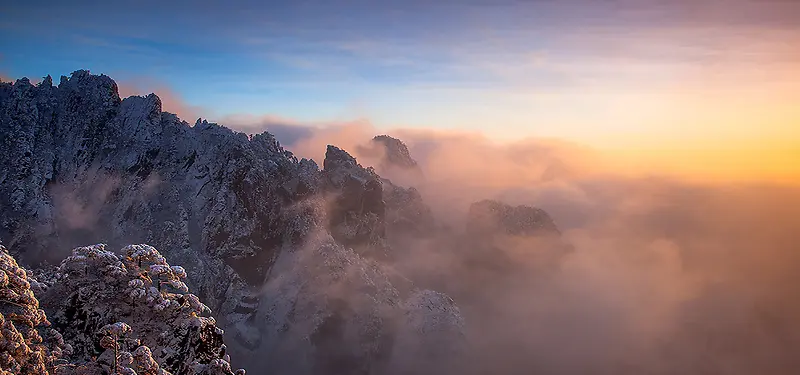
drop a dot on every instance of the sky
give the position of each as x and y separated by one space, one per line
701 86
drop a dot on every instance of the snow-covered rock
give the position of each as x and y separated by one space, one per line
83 166
97 296
239 213
28 345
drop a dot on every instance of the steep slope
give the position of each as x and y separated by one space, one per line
259 232
357 209
83 166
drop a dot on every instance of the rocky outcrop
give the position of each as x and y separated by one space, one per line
357 211
392 160
370 212
489 217
503 239
390 152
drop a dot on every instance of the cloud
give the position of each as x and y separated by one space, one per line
469 162
665 275
286 130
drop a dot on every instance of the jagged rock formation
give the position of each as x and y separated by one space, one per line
406 212
392 160
391 152
244 216
402 208
367 209
369 212
84 166
27 343
357 210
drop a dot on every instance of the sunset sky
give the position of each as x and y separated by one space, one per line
708 87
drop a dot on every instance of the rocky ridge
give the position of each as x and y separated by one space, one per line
246 219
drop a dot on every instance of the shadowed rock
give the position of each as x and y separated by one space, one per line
357 210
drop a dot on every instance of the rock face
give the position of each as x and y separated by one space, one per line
262 235
369 212
84 166
358 212
392 160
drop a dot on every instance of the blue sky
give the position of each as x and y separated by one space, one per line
574 69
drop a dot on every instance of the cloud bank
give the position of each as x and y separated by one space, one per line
666 276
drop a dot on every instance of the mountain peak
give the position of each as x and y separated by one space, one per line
336 157
397 153
391 153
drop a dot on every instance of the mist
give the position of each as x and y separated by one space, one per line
663 276
647 149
